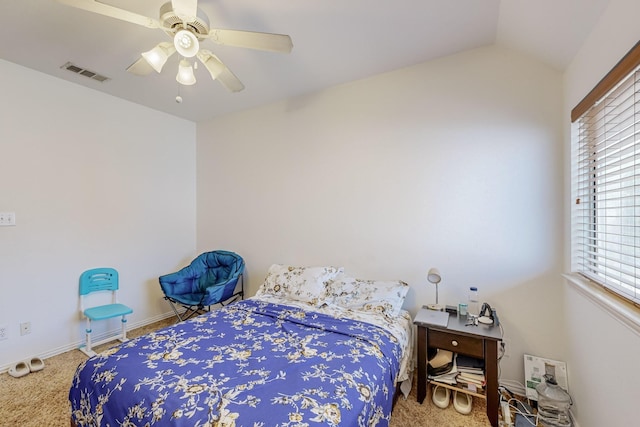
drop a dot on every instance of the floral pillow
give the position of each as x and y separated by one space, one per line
306 284
385 297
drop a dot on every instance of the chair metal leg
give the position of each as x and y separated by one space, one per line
189 311
86 348
173 307
124 329
88 335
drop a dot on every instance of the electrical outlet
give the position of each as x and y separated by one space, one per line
7 218
4 332
25 328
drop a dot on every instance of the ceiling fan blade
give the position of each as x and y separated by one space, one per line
230 81
219 71
185 9
280 43
140 68
113 12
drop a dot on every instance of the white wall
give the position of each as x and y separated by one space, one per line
455 163
94 181
602 352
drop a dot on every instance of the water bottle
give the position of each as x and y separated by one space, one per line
553 404
473 303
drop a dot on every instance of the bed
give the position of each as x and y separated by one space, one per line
312 347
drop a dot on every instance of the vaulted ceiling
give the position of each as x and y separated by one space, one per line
334 42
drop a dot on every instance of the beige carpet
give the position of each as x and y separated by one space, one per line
40 399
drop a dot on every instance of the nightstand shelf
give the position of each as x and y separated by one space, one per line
477 341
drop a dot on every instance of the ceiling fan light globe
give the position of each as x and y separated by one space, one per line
185 74
156 57
186 43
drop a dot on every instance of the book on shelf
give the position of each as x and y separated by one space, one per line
472 377
466 371
474 373
478 383
476 388
469 363
469 385
470 368
446 378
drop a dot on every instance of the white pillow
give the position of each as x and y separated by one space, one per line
385 297
306 284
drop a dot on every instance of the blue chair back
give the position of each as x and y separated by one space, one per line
98 279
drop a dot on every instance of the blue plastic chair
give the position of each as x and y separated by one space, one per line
211 278
102 280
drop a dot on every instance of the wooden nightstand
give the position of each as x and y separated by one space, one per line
478 341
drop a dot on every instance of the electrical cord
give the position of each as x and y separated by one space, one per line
531 418
506 396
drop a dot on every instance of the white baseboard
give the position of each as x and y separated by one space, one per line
573 419
75 345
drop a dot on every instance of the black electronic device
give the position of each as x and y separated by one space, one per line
525 420
488 315
485 310
451 309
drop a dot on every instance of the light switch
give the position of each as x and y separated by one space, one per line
7 218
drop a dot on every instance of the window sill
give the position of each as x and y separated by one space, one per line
623 311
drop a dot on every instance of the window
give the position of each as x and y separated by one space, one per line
606 181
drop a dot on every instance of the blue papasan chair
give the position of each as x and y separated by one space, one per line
212 278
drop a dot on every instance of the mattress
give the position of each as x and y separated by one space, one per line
264 361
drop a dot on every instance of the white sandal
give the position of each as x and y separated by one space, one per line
440 396
35 364
462 402
18 370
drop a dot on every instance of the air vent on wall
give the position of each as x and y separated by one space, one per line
84 72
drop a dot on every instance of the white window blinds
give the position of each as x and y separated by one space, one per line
606 187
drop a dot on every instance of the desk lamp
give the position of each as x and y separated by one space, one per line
433 276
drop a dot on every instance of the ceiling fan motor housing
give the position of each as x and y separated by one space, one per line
171 23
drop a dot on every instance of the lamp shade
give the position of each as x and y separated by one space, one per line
433 276
186 43
185 74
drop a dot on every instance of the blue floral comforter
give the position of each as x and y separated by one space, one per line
251 364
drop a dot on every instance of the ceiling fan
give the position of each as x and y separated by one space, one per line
188 26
